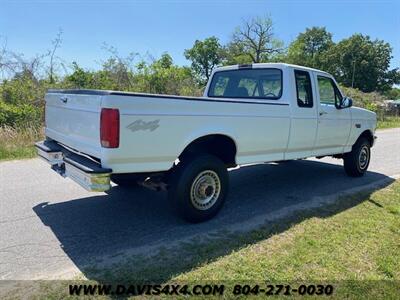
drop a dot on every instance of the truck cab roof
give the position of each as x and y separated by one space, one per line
267 65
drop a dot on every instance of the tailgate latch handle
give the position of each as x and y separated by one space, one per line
64 99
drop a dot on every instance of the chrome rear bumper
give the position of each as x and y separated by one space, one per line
83 170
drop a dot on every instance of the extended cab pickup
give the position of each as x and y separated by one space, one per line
249 114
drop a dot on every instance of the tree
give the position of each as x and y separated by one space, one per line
205 56
56 43
362 63
79 78
254 39
234 53
161 76
165 61
117 70
309 48
393 93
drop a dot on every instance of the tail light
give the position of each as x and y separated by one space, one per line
109 128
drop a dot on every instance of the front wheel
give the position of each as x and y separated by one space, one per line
357 161
198 188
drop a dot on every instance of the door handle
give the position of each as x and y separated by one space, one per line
322 113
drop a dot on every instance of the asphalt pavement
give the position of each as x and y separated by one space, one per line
51 228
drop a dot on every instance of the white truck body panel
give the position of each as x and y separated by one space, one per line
155 129
189 120
75 123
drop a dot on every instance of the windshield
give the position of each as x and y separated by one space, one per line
248 83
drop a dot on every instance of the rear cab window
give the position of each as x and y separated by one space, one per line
303 89
260 83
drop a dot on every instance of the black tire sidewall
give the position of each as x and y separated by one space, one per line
352 162
180 186
357 155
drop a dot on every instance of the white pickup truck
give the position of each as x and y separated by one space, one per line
249 114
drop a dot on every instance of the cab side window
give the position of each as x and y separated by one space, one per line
303 88
328 91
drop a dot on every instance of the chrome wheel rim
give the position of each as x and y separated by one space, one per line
363 157
205 190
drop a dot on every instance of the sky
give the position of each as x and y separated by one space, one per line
160 26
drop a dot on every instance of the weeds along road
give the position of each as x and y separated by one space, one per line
51 228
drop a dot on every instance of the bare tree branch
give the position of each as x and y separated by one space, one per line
257 38
121 67
56 44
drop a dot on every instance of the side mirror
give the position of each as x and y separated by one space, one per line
345 103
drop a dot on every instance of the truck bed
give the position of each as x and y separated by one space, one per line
155 129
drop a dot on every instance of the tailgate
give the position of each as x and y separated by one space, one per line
74 120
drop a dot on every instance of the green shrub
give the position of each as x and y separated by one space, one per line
20 115
369 101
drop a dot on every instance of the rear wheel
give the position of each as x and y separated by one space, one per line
198 188
357 161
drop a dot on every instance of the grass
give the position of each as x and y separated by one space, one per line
353 244
357 248
18 143
389 122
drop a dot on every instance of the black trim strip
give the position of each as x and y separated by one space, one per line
105 93
246 66
48 146
79 92
84 164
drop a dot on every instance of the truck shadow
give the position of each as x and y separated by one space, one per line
109 225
